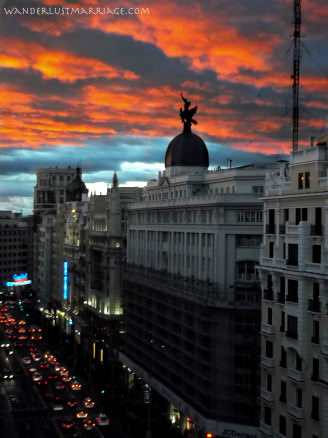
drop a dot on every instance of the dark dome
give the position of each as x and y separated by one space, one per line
187 149
75 189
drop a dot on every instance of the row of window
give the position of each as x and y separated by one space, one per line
292 258
301 214
292 326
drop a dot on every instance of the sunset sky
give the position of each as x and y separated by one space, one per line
103 90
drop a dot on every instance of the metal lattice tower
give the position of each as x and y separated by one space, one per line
296 71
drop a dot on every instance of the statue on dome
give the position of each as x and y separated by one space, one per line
187 115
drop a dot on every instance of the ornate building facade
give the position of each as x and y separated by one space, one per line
294 273
191 291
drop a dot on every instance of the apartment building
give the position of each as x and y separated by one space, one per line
294 276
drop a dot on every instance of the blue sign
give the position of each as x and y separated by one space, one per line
65 281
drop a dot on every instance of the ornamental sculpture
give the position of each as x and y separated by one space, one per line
187 115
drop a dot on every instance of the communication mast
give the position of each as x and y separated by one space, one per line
296 71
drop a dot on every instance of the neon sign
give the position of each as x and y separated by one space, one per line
19 280
65 281
20 277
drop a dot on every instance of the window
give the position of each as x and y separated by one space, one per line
269 382
246 271
282 425
292 254
292 294
297 431
291 327
269 349
267 416
269 315
300 180
283 391
271 246
299 398
282 325
307 180
286 215
316 253
315 408
297 216
315 369
315 333
298 362
318 221
271 224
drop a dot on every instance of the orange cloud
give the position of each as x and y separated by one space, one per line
52 63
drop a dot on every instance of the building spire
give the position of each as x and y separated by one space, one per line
115 179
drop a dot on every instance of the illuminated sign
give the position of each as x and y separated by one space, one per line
19 280
65 281
20 277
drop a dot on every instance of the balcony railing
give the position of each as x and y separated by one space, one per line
267 395
314 306
267 329
267 362
266 429
296 412
268 294
295 375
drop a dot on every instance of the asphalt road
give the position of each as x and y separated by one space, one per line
26 411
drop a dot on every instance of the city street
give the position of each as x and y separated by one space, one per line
32 408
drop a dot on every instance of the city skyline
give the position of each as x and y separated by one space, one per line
103 91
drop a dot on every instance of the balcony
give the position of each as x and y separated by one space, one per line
267 329
296 412
314 306
266 429
268 294
292 229
267 395
295 375
267 362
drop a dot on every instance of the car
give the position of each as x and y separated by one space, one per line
88 424
5 345
67 423
32 369
76 386
102 420
72 403
26 360
59 386
88 403
82 414
7 374
66 379
57 405
36 357
36 377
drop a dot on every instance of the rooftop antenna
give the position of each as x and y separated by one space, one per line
296 71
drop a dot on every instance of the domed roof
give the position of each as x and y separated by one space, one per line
76 188
187 149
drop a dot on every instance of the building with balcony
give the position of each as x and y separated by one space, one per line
191 292
294 276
